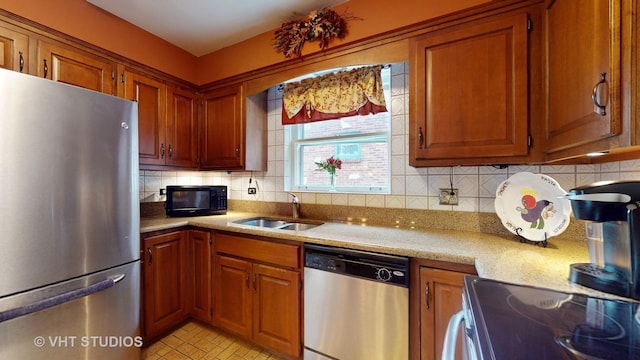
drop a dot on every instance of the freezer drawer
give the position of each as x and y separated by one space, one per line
102 325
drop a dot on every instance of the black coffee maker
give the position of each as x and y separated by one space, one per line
615 205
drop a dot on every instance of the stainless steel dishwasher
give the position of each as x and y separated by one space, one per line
356 305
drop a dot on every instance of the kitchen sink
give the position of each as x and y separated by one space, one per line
263 222
282 224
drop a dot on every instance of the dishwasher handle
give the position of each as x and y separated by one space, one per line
451 336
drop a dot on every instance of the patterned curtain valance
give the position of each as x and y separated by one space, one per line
332 96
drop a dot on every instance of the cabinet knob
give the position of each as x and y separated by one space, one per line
162 151
237 150
420 138
46 68
602 109
170 151
150 255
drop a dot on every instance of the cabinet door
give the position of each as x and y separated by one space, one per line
14 49
75 67
469 92
165 281
200 274
151 97
582 42
276 308
233 293
182 128
440 298
222 137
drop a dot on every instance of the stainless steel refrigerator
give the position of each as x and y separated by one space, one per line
69 222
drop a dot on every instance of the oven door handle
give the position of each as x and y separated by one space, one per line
451 336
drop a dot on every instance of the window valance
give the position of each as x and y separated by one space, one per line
345 93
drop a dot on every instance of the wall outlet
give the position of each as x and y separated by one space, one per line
252 191
448 196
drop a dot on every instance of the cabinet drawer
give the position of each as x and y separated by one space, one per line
261 250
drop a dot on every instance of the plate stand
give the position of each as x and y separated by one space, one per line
522 239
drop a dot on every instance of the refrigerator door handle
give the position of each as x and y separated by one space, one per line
60 299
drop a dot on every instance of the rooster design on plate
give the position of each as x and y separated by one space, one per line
534 211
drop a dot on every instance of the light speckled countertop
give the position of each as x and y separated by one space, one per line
494 257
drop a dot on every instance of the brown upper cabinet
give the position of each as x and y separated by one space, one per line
234 128
14 50
469 85
76 67
587 69
182 127
511 82
167 121
151 95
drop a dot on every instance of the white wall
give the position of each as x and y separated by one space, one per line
411 188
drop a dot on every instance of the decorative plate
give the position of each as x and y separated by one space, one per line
528 205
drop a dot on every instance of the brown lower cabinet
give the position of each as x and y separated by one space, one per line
164 295
200 274
436 296
258 291
254 285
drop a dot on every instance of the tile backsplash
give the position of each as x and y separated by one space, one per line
411 188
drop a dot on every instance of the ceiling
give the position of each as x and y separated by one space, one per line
203 26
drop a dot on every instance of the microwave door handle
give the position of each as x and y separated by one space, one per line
451 336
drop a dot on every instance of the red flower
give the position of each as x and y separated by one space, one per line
330 165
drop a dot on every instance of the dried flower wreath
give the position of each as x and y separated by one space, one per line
322 25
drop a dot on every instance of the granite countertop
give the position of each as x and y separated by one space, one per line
494 257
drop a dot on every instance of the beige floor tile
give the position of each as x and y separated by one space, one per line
195 341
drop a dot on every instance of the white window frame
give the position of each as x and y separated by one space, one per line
297 176
294 142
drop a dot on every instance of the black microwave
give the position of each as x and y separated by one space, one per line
196 200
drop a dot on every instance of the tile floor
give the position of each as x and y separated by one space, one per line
199 342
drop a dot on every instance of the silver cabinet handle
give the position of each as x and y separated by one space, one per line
162 151
150 255
420 138
21 61
170 151
46 68
426 295
594 95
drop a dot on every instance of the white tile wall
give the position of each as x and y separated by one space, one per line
411 188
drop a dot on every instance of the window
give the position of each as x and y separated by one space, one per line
361 142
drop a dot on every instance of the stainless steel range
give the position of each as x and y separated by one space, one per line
508 321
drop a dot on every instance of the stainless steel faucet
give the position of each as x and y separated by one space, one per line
296 205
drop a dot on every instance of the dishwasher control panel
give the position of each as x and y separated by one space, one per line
367 265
